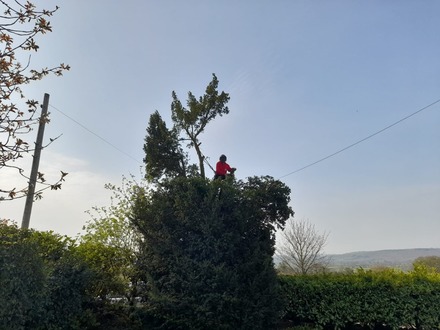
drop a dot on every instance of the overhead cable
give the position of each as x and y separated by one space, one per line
360 141
98 136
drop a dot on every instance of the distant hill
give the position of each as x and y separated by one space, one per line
402 259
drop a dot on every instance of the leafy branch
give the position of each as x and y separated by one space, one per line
20 25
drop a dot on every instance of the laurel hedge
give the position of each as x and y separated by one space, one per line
43 284
366 298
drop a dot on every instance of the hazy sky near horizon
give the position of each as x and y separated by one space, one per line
306 79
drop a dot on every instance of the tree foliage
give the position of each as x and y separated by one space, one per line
193 120
44 284
432 262
164 154
20 25
22 280
301 248
110 244
364 299
207 248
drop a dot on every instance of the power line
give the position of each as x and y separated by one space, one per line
99 137
360 141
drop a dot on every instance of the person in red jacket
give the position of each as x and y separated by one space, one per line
222 168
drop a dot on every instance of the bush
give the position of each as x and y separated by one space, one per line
207 252
22 278
391 298
44 285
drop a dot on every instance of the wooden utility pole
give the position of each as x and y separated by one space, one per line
35 164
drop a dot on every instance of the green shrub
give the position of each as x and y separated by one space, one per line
44 284
207 250
370 298
22 278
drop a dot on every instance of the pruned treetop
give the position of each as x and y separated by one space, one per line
163 145
199 113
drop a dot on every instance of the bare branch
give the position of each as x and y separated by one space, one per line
301 248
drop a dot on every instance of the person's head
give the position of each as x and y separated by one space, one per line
223 158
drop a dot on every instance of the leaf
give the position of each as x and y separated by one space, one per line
55 186
12 193
41 176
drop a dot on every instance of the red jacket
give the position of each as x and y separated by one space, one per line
222 168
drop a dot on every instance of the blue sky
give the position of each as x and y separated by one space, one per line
306 79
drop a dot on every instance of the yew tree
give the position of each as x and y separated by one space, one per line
21 23
206 251
207 246
164 154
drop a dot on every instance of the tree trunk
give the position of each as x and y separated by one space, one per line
201 164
